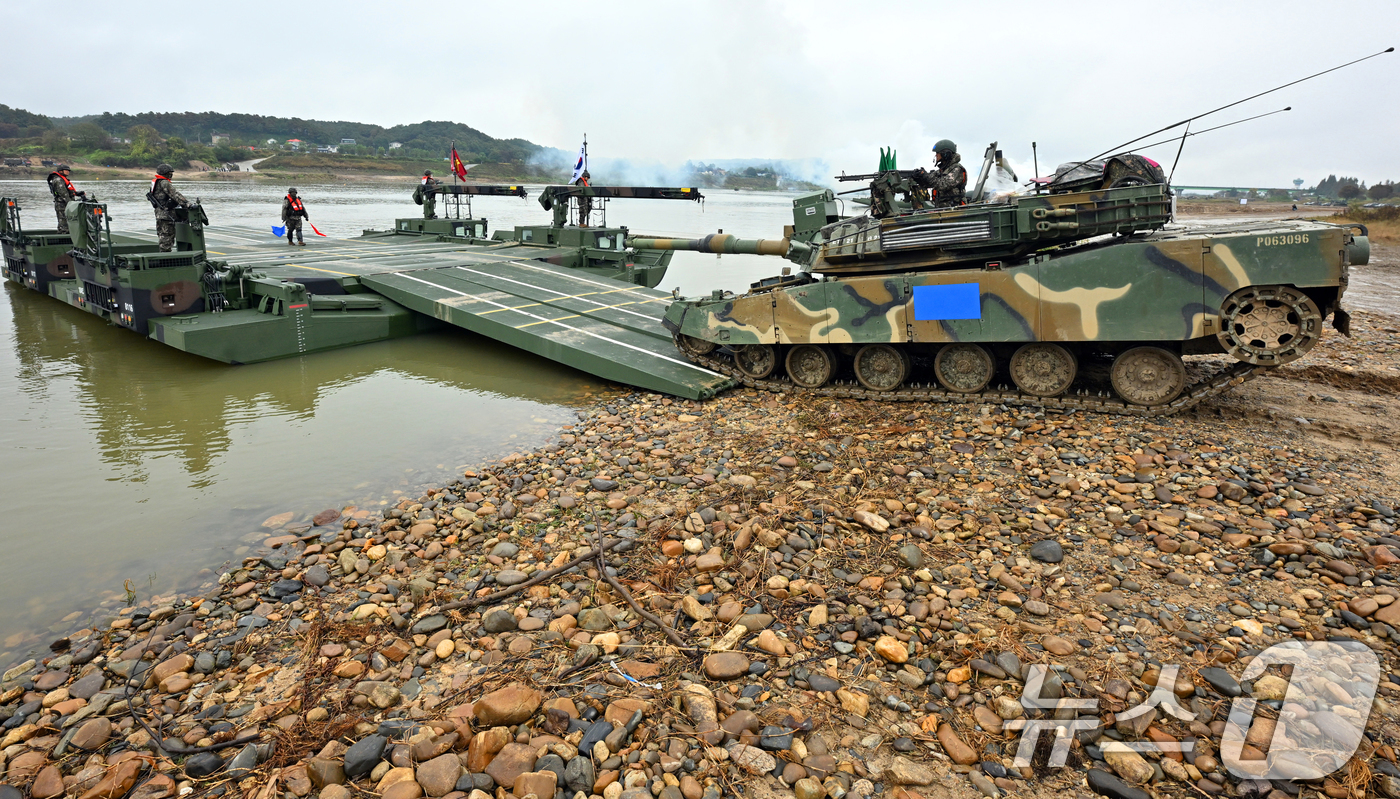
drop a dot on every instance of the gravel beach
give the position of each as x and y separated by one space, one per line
793 597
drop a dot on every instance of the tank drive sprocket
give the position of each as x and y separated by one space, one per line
1269 325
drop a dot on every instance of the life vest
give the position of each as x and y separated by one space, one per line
296 204
165 203
71 188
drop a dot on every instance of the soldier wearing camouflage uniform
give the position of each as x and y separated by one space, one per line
166 200
292 214
63 193
585 203
428 188
949 180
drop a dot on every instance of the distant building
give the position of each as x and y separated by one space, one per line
271 141
330 148
347 141
219 138
394 145
295 144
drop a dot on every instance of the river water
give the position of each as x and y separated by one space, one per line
126 463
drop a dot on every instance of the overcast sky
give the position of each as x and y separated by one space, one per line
671 81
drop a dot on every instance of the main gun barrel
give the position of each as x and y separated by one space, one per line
718 243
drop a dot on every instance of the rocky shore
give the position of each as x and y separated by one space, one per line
767 595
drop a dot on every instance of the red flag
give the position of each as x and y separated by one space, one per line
313 227
458 168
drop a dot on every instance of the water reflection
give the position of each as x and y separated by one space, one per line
123 459
126 458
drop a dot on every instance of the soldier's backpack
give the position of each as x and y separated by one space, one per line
418 194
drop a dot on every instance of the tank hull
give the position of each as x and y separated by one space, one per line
1166 287
1258 293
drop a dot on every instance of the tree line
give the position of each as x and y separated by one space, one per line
147 139
430 139
1345 188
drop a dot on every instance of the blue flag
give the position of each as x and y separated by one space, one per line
279 231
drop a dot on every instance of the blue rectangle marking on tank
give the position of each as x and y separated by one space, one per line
949 301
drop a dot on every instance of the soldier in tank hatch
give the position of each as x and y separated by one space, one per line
292 214
63 193
166 199
949 180
428 187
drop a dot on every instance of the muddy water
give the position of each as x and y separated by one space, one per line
124 462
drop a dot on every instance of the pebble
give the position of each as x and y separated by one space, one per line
725 665
1047 551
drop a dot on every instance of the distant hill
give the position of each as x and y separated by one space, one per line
146 139
423 139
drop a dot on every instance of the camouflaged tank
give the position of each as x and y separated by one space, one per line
1083 299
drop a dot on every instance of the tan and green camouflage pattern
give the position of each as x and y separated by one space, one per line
1162 287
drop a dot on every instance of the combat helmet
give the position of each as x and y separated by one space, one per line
165 170
63 168
945 145
427 173
292 192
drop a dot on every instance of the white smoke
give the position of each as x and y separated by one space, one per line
607 171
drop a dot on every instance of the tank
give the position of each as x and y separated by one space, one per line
1076 299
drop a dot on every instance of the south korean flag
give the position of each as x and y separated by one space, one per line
581 165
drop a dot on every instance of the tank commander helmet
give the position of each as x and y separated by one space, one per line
165 170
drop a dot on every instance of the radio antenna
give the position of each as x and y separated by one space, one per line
1229 105
1208 130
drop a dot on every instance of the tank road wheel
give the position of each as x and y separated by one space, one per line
1269 325
810 365
1043 370
964 368
756 360
880 367
694 346
1148 375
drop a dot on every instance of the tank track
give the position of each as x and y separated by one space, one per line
1191 396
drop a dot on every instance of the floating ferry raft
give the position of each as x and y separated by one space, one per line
572 293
